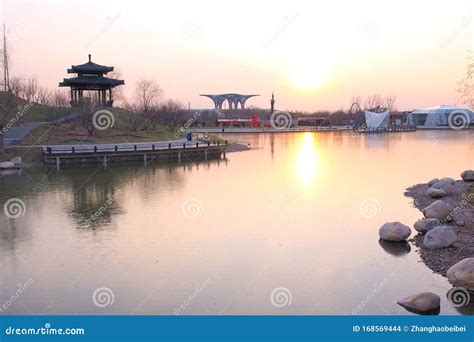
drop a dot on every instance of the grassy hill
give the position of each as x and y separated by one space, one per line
75 131
37 112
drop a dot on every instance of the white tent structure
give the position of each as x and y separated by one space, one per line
452 116
376 120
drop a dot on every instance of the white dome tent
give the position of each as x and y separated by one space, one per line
448 116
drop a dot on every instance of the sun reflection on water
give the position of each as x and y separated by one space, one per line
307 161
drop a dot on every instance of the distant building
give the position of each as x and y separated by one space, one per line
376 120
441 116
91 77
234 100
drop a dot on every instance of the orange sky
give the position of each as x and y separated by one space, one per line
314 54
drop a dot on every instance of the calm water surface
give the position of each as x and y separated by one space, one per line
300 211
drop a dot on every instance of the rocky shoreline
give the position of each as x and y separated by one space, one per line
445 240
460 200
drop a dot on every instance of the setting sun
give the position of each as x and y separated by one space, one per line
307 73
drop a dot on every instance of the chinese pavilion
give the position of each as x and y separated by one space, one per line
91 77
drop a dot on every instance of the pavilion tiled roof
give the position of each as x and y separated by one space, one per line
91 81
89 68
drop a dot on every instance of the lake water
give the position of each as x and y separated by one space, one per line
289 227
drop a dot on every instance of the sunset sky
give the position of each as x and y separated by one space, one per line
314 55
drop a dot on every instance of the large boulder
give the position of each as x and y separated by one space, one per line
424 225
435 192
438 209
468 176
421 303
394 231
439 237
433 181
462 273
445 184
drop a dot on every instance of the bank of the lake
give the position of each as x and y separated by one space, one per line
461 200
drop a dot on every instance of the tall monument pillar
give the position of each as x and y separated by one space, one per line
272 104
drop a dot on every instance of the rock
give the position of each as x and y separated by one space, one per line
421 303
7 165
446 184
425 225
439 237
435 193
438 209
433 181
468 176
461 274
394 231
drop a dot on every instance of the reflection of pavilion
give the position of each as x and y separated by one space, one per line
232 99
91 77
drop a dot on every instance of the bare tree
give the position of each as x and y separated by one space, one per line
390 102
148 92
377 102
169 113
17 86
44 96
30 89
466 85
373 101
59 99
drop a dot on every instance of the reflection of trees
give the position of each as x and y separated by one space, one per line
97 193
94 206
93 195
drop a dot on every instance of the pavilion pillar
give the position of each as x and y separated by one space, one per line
111 101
